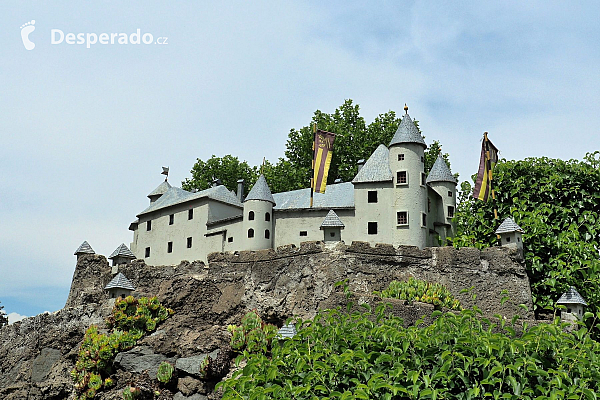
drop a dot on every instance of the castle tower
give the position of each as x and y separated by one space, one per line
258 217
574 303
510 234
84 248
444 183
409 205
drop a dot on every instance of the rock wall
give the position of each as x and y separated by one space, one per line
37 354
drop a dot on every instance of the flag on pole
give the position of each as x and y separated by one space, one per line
487 161
323 151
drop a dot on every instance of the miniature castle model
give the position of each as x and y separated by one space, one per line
575 305
119 286
390 200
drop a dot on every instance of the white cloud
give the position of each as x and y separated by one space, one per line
14 317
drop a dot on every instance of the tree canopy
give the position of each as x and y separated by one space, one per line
557 203
355 140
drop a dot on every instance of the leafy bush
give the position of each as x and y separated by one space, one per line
460 356
253 334
418 290
557 203
165 372
130 393
129 322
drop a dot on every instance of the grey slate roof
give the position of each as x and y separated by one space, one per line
377 167
119 282
160 189
260 191
84 248
440 172
332 221
122 251
407 132
337 195
175 195
508 225
287 331
572 296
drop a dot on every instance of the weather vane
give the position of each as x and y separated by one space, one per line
165 172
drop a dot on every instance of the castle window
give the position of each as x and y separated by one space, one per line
171 219
449 193
267 216
303 233
147 254
250 233
422 159
402 217
428 205
372 228
148 225
372 196
251 216
332 234
267 234
401 178
423 179
189 242
423 219
507 239
230 239
450 211
400 157
169 247
191 213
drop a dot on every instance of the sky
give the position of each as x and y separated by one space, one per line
85 128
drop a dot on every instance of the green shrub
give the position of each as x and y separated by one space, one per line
165 372
460 356
129 321
418 290
130 393
252 335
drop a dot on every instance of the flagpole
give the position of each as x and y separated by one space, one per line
312 174
489 167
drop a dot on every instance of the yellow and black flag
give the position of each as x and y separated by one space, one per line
323 151
487 161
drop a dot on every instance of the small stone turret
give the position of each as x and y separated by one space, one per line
511 234
84 248
121 255
332 227
575 305
258 217
119 286
444 183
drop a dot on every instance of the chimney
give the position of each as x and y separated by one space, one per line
240 190
360 163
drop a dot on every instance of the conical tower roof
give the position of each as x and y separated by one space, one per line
407 132
377 167
84 248
572 296
440 172
122 251
508 225
120 282
332 221
260 191
160 189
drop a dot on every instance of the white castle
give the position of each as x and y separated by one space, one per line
390 200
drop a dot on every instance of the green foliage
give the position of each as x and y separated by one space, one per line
355 140
253 335
460 356
3 317
130 393
165 372
418 290
128 323
557 203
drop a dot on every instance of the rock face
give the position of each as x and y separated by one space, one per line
37 354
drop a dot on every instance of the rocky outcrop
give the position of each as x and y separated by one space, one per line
37 354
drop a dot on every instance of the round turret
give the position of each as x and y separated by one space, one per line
444 183
407 163
258 216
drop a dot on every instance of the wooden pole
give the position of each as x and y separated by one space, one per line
312 173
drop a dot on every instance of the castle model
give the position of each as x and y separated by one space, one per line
390 200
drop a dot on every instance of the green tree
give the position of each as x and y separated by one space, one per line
557 203
3 317
228 169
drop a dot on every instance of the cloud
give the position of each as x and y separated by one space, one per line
14 317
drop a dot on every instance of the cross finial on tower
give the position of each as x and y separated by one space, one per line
405 108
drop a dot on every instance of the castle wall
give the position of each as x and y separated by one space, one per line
378 213
289 224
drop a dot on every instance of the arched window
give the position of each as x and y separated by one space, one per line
250 233
251 216
267 234
267 216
